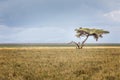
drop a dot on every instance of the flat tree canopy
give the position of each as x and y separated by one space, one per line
86 32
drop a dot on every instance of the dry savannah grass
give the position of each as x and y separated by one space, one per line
93 63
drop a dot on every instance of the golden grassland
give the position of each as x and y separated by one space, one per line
60 63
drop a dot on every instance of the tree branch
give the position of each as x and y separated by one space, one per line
84 41
77 44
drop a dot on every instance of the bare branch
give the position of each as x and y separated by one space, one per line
77 44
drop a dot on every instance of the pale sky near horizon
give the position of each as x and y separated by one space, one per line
54 21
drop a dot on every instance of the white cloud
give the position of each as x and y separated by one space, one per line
33 34
113 15
60 18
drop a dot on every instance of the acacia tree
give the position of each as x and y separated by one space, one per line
86 32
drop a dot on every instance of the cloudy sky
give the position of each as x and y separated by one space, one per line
49 21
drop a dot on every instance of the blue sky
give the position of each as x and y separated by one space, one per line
54 21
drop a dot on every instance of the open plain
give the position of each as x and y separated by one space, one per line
60 63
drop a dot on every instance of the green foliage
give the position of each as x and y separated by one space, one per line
96 33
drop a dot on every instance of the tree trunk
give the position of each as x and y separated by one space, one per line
78 46
84 42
